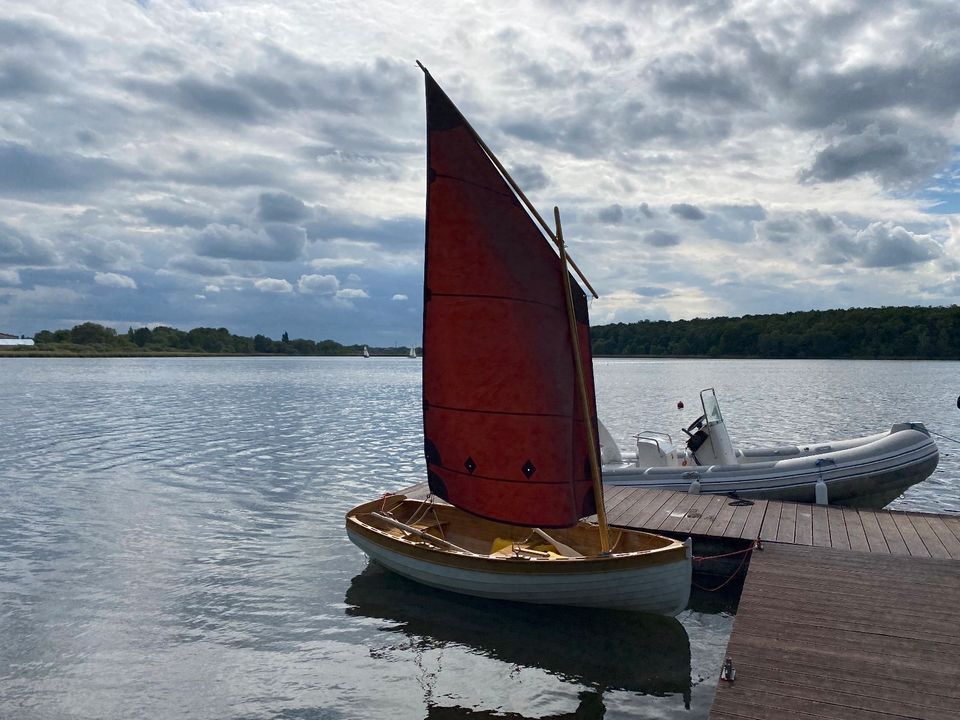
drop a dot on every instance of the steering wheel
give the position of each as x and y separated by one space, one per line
695 425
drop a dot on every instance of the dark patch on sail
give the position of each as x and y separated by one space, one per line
589 503
470 465
431 452
436 485
431 175
441 113
528 469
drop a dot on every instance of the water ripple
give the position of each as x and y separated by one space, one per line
172 545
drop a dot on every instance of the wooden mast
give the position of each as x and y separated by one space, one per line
582 387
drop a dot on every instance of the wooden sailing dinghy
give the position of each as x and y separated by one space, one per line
509 412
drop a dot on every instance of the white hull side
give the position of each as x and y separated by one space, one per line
871 474
662 589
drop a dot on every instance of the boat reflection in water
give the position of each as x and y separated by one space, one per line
604 650
591 707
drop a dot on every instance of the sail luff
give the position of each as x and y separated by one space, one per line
517 189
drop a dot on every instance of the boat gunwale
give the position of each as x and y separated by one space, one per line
672 551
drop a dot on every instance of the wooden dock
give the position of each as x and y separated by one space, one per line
824 633
844 613
886 532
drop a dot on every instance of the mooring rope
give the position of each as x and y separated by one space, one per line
945 437
746 554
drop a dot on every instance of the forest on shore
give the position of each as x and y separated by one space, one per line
931 333
91 338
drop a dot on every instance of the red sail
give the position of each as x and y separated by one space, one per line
503 429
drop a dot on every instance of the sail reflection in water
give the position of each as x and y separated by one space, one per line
639 653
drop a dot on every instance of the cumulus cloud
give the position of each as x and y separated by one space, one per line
318 284
114 280
399 297
352 293
273 285
893 158
881 244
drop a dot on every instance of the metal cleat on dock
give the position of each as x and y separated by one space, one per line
728 673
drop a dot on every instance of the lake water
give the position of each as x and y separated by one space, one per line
172 544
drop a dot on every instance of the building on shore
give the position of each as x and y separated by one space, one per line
6 339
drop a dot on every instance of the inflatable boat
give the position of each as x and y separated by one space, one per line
867 472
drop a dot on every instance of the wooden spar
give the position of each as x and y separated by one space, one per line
519 192
419 533
564 550
582 386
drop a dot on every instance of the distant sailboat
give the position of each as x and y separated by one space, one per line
510 439
366 353
413 353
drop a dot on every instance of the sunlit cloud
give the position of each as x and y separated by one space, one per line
114 280
273 285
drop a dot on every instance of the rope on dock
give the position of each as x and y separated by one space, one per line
945 437
755 545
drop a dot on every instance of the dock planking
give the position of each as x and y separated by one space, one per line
884 532
839 633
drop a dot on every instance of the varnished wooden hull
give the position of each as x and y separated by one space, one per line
645 572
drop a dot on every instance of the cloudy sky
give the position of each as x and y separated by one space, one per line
259 165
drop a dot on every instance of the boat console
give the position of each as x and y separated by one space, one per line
709 443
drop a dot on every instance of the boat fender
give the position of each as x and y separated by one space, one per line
821 492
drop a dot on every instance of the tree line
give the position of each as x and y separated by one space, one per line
931 333
90 337
889 332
